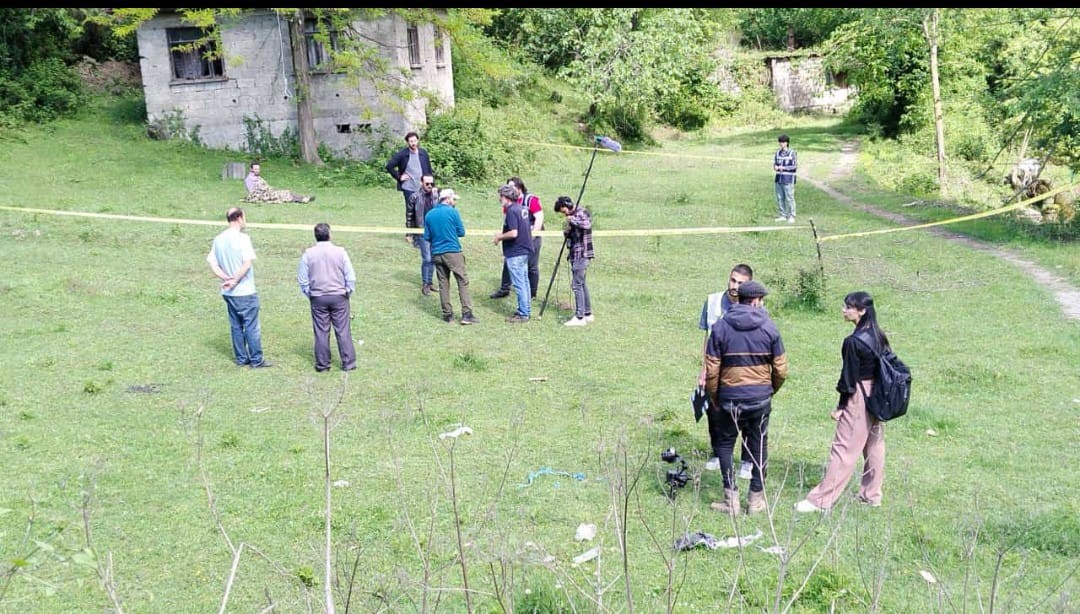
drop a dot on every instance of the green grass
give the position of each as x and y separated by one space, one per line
117 382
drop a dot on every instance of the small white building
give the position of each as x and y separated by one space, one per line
802 83
218 101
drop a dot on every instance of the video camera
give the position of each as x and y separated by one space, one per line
676 478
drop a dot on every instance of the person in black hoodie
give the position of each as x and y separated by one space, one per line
858 432
745 365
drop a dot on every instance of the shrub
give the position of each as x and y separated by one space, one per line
47 90
262 143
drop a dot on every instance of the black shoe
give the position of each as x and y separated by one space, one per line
500 294
262 365
426 289
469 319
448 319
352 368
517 318
318 370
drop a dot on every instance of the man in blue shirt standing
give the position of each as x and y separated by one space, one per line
327 278
785 163
231 258
443 229
517 245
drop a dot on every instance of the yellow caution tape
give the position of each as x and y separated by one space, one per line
392 230
965 218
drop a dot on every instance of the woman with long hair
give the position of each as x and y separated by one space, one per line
857 430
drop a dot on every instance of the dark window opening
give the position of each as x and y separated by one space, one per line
414 47
440 52
194 55
361 128
837 79
315 38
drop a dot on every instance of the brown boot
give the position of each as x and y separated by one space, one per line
755 502
730 504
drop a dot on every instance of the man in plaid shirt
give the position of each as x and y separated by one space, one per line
578 233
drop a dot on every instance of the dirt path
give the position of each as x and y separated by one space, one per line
1067 296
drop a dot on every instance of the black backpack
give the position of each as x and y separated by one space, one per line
892 387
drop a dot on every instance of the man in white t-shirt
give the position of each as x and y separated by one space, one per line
231 258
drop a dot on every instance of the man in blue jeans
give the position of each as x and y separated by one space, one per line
786 164
422 201
231 257
517 245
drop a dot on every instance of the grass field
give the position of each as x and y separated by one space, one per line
143 469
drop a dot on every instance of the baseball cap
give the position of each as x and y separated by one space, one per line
752 289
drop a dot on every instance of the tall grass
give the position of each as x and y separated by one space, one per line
209 482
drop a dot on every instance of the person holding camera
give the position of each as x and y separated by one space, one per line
745 365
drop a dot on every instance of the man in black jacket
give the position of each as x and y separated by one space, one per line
745 365
408 166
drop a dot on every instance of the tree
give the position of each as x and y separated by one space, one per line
930 29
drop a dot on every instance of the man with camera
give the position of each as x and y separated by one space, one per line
745 365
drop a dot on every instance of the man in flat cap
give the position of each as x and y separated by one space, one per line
745 365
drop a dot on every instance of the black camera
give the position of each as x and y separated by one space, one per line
676 478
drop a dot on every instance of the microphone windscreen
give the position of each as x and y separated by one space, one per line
611 144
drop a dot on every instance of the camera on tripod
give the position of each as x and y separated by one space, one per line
676 478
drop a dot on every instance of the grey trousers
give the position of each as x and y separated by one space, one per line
327 311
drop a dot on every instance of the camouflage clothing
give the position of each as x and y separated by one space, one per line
260 192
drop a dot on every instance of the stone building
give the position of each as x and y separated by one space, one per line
252 84
801 83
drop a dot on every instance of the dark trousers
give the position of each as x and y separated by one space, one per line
327 311
452 264
751 420
534 269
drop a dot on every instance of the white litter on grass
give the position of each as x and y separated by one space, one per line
929 577
585 532
358 341
458 432
341 483
773 550
736 541
258 410
586 556
931 432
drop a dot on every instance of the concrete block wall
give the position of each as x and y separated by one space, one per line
259 83
801 85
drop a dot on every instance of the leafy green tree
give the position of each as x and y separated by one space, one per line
784 28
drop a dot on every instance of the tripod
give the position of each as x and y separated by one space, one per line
609 144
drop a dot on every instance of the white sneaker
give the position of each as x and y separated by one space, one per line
791 220
746 470
780 219
713 464
576 321
805 507
590 317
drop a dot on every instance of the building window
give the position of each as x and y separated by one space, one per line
414 47
317 54
194 55
440 52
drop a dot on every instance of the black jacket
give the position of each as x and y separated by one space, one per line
396 165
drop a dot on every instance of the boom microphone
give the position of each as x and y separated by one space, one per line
608 143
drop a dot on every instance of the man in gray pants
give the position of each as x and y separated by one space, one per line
327 278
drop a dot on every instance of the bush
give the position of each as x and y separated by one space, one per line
262 144
47 90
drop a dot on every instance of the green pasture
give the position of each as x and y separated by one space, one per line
138 460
